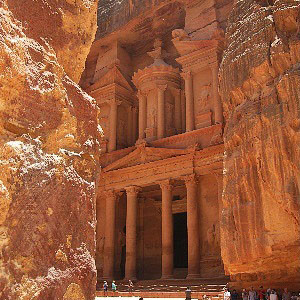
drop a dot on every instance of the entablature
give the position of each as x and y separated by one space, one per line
113 91
200 162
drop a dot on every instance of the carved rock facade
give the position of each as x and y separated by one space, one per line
260 80
49 138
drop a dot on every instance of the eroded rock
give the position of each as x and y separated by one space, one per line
49 141
260 80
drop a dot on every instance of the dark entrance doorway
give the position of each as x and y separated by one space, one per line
180 240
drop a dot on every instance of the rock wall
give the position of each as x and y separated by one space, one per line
48 142
260 87
114 14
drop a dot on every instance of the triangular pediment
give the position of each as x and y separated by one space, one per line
112 76
187 47
143 155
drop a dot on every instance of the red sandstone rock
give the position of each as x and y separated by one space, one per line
260 80
49 136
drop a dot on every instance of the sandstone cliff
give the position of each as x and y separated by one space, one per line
260 84
48 140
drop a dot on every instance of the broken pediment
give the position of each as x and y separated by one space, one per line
187 47
113 76
142 155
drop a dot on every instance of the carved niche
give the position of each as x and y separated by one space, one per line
204 115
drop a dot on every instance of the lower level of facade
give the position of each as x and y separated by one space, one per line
158 214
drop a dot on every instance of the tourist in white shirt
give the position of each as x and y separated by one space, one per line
226 294
273 295
252 294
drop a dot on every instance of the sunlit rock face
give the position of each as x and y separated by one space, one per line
48 144
260 84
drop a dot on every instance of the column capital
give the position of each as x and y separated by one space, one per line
162 87
214 65
142 94
178 92
114 101
132 190
166 184
218 174
190 179
112 194
186 75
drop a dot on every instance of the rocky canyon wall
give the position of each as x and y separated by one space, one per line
114 14
48 144
260 87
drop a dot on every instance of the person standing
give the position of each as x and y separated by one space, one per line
273 295
234 295
130 286
188 293
226 294
105 288
114 286
244 294
268 293
261 293
286 294
252 294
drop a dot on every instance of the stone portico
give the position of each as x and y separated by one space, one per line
156 183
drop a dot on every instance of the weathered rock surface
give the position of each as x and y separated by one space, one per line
48 140
260 84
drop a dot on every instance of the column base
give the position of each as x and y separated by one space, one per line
165 277
193 276
106 279
133 279
141 142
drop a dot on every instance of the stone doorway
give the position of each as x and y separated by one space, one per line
180 244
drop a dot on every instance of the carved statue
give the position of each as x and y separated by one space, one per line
121 132
212 240
204 97
152 119
169 115
180 34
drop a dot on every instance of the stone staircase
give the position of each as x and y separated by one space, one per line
172 288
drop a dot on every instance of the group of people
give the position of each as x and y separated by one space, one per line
114 287
261 294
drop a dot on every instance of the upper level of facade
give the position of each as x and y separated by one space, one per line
155 78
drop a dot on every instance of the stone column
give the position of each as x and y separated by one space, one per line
113 115
192 227
161 111
178 112
129 126
142 114
131 217
217 99
219 178
99 238
109 244
189 95
134 125
167 230
183 113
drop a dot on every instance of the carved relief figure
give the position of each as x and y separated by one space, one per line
204 98
121 132
152 118
212 242
103 120
169 116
